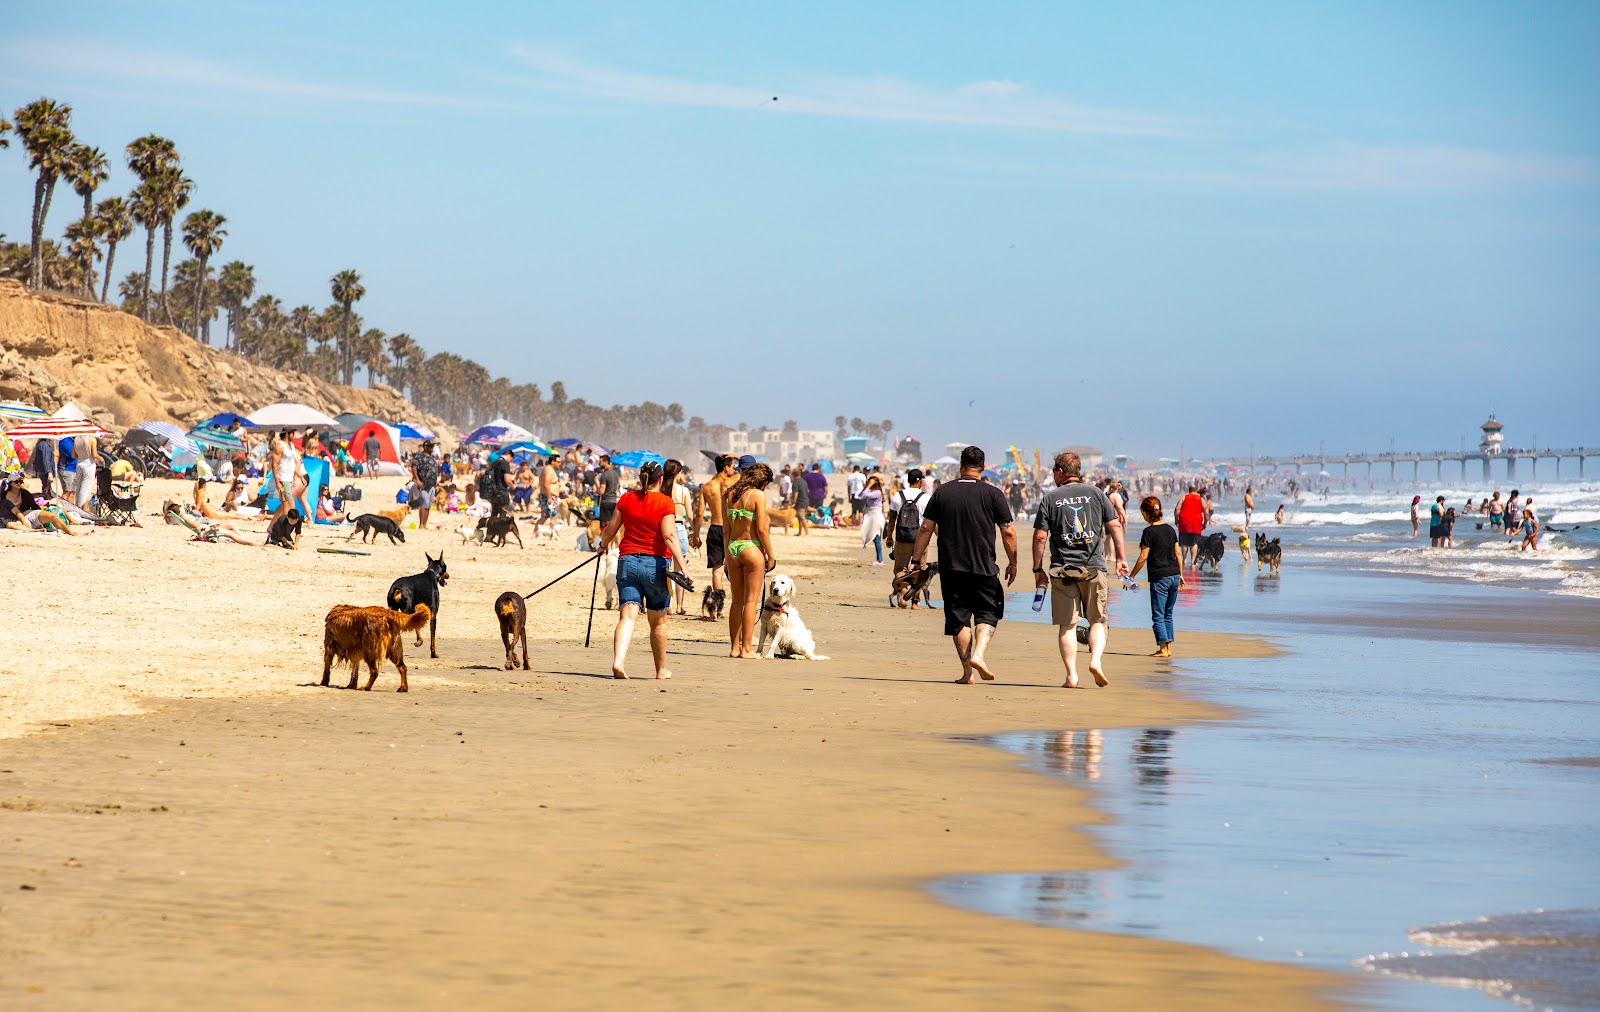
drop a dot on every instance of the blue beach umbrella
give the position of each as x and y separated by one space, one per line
637 458
219 439
414 431
490 435
223 419
16 409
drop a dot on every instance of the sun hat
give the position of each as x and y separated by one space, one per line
746 462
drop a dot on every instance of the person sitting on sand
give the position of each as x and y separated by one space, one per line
285 530
19 511
325 510
211 533
202 506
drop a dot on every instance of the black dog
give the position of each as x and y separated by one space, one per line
499 527
512 611
1210 550
409 591
374 525
1269 552
712 604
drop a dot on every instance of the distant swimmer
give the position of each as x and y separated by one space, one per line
1416 516
1278 516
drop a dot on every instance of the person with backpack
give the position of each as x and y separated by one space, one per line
905 517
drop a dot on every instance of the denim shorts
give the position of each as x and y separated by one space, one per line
642 580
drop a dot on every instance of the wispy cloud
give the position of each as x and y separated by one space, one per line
170 68
1002 104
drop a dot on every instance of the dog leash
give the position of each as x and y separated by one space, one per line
594 558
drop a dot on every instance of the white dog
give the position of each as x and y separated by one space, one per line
608 576
783 634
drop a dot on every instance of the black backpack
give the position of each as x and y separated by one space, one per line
909 520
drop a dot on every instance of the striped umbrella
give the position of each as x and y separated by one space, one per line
55 428
220 439
171 433
17 409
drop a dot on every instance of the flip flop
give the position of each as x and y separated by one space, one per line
681 580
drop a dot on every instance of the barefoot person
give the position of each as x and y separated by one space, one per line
1077 519
708 510
1158 546
965 514
649 543
750 555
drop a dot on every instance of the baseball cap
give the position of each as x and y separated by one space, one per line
746 462
914 476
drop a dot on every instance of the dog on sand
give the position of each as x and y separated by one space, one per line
373 635
410 592
713 603
497 528
398 514
372 524
912 584
783 634
781 518
512 611
1269 552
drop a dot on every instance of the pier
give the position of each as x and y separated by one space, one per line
1513 460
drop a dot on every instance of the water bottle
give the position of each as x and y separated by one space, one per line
1038 599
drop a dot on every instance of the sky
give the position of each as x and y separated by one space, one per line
1153 228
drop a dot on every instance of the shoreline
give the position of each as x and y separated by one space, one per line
763 831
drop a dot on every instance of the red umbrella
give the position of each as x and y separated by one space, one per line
55 428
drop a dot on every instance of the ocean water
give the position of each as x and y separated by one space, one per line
1372 531
1378 783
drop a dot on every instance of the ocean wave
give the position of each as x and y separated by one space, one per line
1575 516
1489 551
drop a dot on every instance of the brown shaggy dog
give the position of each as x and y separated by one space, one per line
512 612
368 634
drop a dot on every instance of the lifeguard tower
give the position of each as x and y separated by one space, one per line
1490 447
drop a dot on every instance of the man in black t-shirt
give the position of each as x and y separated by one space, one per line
965 513
607 485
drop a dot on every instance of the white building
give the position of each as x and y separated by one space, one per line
799 446
1492 436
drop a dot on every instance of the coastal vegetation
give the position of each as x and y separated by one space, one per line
333 343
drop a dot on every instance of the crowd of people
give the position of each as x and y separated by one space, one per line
1508 516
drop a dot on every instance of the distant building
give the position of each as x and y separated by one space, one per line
778 446
1491 437
1090 456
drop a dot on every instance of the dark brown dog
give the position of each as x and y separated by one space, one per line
912 584
496 529
359 634
512 611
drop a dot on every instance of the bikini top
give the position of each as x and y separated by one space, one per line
736 513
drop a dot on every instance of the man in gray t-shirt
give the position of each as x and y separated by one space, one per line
1077 520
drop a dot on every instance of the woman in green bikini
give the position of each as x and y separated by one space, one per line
750 555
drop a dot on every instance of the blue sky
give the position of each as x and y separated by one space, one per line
1135 226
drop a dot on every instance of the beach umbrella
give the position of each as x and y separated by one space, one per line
863 458
946 461
17 409
287 415
170 433
637 458
490 435
55 428
992 475
414 431
219 439
566 443
528 446
223 419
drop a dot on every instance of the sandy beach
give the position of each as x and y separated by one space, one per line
194 822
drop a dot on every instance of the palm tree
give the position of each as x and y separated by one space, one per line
347 290
857 425
303 324
147 158
43 127
81 246
5 128
115 223
374 354
174 189
404 357
236 283
132 288
202 234
86 172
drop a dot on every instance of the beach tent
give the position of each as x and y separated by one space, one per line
287 415
317 471
637 458
351 420
388 447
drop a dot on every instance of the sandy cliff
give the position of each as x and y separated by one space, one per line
54 349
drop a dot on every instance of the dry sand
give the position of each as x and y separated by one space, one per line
749 834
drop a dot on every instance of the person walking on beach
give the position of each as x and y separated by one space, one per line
424 480
1076 519
1416 515
905 519
872 515
42 462
86 451
816 484
1436 523
644 518
1530 529
1191 524
549 489
370 448
965 514
708 510
1513 515
750 555
288 473
674 485
606 484
1496 512
1158 546
1249 505
853 485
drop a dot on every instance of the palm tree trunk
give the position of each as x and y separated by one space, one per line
149 265
199 296
38 249
111 258
36 235
166 258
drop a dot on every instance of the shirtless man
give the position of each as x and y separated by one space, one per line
86 451
708 510
549 489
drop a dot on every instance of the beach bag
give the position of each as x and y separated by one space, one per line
909 520
1070 573
350 494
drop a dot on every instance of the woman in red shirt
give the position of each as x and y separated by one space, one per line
645 519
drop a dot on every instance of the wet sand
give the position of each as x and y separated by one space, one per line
749 833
